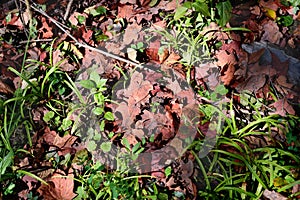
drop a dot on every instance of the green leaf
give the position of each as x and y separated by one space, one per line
48 116
295 2
224 11
97 11
168 171
109 116
6 162
88 84
136 147
97 136
221 89
180 12
126 143
91 146
139 45
187 4
286 20
99 99
94 76
106 146
98 111
81 19
102 125
153 3
202 8
8 17
66 123
163 196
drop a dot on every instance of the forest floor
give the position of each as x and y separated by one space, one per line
143 99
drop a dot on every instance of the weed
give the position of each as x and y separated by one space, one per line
239 171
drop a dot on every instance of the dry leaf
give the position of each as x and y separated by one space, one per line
283 107
228 74
255 56
271 32
270 4
225 58
58 187
5 88
272 195
125 11
131 33
45 31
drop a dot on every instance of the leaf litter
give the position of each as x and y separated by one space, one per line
235 67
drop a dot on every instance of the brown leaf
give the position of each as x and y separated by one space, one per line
282 80
281 67
272 195
270 4
228 74
15 21
131 33
255 56
144 3
283 107
87 36
225 58
5 88
64 66
92 59
64 144
253 83
257 69
271 32
58 187
212 31
45 31
152 50
125 11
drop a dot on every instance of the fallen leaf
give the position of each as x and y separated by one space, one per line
65 65
5 88
15 21
228 74
271 32
125 11
281 67
272 195
225 58
283 107
63 144
58 187
131 33
255 56
45 31
282 80
271 13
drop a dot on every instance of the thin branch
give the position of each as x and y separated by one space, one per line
40 40
68 9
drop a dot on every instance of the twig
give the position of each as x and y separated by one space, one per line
40 40
68 9
82 44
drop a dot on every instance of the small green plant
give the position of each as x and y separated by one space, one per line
236 169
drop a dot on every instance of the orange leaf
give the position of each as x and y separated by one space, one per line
228 75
